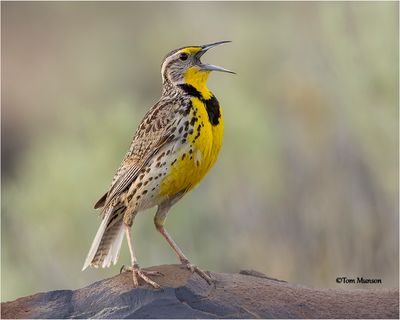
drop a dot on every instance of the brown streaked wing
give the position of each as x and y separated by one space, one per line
149 138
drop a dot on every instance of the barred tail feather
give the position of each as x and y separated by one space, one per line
113 252
107 242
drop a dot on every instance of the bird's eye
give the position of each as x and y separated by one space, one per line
183 56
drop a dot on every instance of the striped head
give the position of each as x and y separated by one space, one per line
183 65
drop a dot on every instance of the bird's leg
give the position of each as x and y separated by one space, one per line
159 220
136 271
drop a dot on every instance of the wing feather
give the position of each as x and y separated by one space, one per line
100 203
154 132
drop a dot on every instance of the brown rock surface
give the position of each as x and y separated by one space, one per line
248 294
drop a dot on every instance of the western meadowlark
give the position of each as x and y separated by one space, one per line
174 146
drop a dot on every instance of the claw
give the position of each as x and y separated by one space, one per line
193 268
154 273
122 269
142 274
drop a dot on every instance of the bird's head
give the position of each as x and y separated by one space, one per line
183 65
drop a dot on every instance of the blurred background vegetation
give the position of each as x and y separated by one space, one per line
306 186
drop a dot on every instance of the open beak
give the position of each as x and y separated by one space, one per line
211 67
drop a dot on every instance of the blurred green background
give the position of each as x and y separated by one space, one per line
305 188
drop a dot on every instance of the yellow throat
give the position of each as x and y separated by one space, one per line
203 144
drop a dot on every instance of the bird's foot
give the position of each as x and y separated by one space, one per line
138 273
193 268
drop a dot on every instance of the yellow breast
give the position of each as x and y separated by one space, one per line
196 156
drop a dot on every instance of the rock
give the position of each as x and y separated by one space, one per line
249 294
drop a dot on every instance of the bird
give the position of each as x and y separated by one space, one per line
173 148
